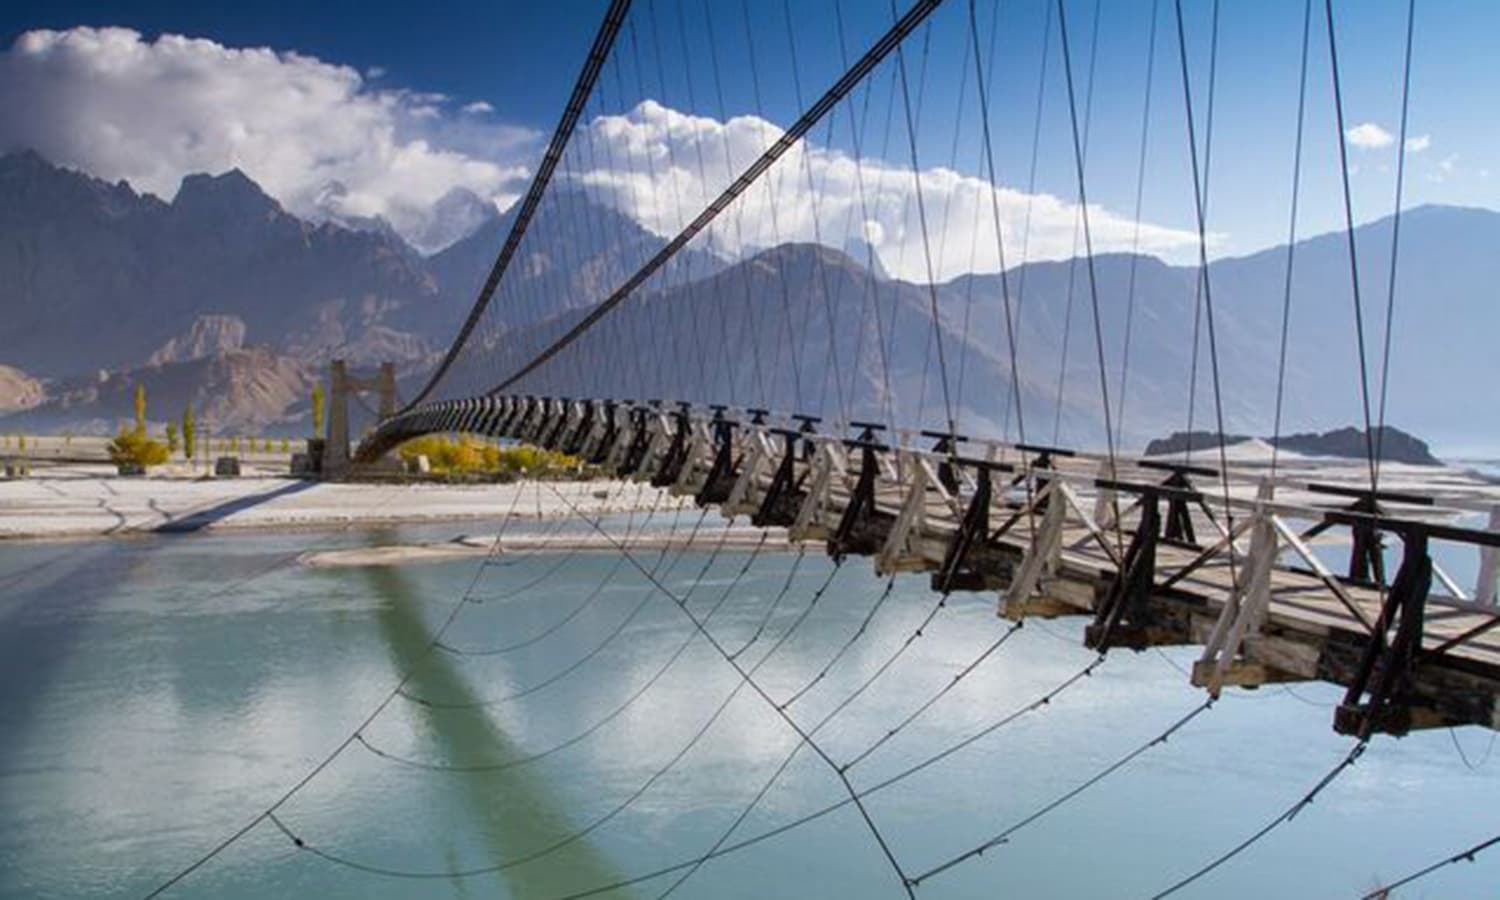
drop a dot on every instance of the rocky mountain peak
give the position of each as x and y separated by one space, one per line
18 390
229 195
210 335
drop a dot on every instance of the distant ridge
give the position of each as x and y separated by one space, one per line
76 252
1344 443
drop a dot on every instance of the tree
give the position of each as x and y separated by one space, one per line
134 447
317 409
286 446
140 410
171 437
20 442
189 432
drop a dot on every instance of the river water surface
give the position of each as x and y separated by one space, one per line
156 694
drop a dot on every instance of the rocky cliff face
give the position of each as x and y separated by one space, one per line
242 391
208 336
19 391
98 276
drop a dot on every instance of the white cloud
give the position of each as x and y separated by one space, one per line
1369 136
316 136
1446 168
1419 143
655 178
325 142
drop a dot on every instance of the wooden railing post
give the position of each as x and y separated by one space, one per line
1487 584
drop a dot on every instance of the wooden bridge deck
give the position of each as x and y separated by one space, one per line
1414 653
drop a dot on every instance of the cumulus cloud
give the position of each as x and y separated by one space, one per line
655 178
1369 136
1419 143
327 143
316 136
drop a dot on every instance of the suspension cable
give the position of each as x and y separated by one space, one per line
1359 311
1005 836
892 39
603 41
747 680
1381 893
1291 239
1290 813
1390 297
1135 235
1200 205
327 760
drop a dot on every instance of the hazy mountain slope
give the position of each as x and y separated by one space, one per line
76 253
246 391
798 328
740 345
95 276
1443 342
575 253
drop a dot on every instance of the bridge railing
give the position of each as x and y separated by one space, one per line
679 437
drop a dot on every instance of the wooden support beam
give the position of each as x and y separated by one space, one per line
1041 606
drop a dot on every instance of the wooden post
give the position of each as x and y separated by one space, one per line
1105 500
1485 586
1245 610
1042 557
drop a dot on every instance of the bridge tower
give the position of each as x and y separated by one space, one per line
336 461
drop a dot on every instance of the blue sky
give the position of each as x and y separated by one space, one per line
520 59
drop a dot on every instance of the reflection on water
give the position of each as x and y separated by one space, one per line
156 694
512 812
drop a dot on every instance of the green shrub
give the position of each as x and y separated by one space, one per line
470 455
131 446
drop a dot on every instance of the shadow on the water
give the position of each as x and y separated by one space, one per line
513 809
39 626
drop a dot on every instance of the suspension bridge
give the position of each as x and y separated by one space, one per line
711 383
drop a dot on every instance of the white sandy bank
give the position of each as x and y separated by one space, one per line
88 500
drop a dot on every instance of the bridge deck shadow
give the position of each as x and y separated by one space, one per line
200 519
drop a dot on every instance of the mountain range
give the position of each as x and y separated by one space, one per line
223 299
103 285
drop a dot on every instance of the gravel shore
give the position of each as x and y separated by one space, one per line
91 501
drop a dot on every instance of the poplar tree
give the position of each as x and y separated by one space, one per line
189 432
140 410
317 409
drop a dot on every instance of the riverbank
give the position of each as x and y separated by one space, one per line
82 500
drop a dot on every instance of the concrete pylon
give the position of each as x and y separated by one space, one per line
336 459
336 448
386 387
